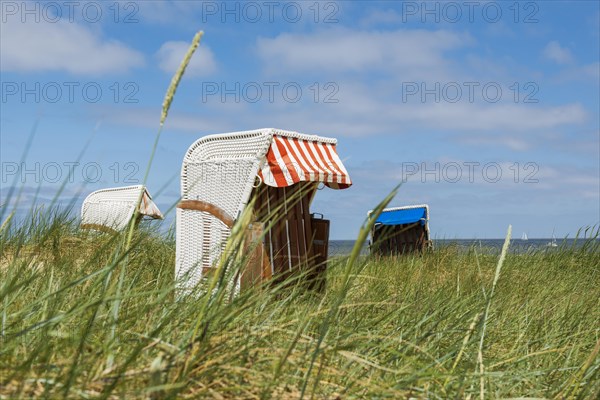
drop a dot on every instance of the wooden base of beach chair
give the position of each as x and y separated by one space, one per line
320 243
399 239
258 267
224 169
297 242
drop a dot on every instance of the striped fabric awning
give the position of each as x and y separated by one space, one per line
291 160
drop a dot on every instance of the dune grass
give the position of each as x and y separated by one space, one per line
410 326
88 315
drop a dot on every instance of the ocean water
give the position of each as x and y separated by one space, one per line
344 247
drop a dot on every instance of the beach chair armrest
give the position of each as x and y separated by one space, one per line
215 211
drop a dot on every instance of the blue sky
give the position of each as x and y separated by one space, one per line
488 110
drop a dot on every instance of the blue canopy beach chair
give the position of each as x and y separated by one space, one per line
401 230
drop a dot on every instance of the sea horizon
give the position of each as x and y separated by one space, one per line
517 245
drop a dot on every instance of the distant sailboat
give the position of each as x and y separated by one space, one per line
524 236
552 243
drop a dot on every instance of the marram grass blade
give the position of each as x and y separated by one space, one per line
487 310
6 222
398 326
177 77
346 282
165 111
132 223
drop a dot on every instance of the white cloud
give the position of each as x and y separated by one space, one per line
148 118
523 203
555 52
378 17
500 30
169 12
363 110
346 50
592 71
62 46
509 117
171 53
194 124
511 142
589 73
362 113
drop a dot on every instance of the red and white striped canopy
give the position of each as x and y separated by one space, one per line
291 160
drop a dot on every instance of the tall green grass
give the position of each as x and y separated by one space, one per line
88 315
384 328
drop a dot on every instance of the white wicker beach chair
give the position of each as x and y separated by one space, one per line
112 209
218 175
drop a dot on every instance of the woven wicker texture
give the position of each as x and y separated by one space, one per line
113 208
221 170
